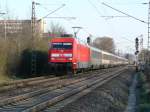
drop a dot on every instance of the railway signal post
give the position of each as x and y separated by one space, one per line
136 52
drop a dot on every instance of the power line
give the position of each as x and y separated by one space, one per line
124 13
54 10
127 40
61 17
97 10
127 3
114 16
94 6
148 23
148 46
110 17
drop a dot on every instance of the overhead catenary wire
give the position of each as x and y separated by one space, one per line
79 23
126 3
97 10
124 13
127 40
62 17
94 6
90 34
55 10
114 16
84 29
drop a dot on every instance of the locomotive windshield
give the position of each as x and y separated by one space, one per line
61 45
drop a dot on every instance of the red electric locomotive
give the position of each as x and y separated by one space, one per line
68 54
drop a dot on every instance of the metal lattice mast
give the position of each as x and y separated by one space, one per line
148 44
33 54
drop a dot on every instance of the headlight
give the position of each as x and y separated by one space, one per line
52 58
68 55
69 58
54 55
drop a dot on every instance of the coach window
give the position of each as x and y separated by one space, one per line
105 56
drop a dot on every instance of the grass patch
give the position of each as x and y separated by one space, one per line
4 78
144 107
144 102
15 58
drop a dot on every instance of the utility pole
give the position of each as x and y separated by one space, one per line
33 54
33 27
148 44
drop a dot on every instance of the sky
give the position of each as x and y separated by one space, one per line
88 15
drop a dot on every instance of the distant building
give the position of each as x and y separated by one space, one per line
45 35
11 27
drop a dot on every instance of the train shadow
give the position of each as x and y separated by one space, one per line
23 68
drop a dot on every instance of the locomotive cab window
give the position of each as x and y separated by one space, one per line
61 45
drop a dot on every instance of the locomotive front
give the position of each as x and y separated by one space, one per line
61 54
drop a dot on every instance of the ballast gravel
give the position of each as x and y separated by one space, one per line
111 97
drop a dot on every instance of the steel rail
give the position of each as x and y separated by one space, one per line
30 86
55 85
42 98
100 81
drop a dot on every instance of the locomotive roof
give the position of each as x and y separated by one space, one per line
63 38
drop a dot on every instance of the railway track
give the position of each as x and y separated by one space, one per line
20 83
34 84
23 86
42 98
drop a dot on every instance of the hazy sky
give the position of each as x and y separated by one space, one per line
88 14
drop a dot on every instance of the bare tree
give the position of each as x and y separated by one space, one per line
144 55
104 43
56 30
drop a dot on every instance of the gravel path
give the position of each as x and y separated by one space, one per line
132 101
